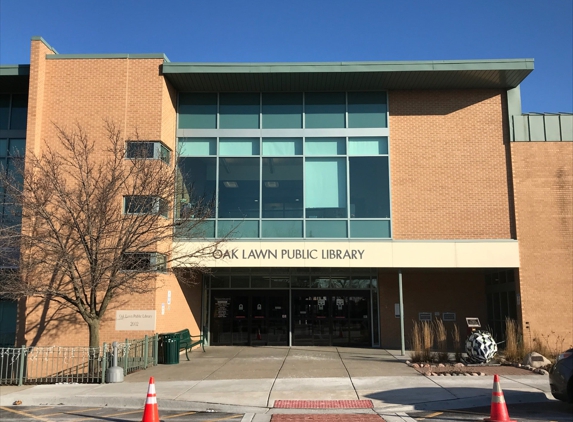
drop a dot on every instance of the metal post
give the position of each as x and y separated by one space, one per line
402 341
22 363
145 351
155 349
103 363
125 356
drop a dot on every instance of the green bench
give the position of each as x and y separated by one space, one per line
187 341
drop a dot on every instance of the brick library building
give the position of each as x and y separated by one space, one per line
360 197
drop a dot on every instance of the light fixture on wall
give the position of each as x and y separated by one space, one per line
231 184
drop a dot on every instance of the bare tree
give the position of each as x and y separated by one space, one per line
94 224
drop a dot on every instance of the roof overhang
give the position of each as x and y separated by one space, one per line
14 78
349 76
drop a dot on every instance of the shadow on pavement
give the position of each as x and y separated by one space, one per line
424 398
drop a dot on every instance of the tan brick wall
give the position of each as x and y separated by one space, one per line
51 323
133 95
127 92
543 183
448 165
185 308
462 292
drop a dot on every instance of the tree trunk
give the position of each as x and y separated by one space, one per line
94 371
94 333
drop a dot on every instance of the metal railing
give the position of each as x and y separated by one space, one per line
81 365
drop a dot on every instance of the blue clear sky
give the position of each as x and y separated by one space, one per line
309 30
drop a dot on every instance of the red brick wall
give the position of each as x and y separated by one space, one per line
543 183
448 165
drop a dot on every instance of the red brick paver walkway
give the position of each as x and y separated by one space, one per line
323 404
326 418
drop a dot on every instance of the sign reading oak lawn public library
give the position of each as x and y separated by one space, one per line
289 254
135 320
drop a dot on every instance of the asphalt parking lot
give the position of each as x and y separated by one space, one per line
523 412
77 414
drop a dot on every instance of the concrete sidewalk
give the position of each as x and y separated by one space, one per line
249 380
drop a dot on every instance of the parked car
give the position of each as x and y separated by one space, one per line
561 377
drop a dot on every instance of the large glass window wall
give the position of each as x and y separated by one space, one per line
288 165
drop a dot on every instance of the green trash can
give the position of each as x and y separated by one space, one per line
169 348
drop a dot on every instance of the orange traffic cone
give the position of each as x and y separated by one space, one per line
150 411
498 408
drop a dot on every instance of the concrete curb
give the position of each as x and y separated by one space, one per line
129 403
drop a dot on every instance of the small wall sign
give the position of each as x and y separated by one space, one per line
139 320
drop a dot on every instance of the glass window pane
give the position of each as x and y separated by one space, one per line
282 146
280 282
320 281
240 281
282 111
379 229
239 146
360 282
301 280
369 187
325 109
198 185
282 228
198 111
326 229
282 187
258 282
138 149
325 146
238 228
339 282
239 111
190 147
367 109
325 188
17 147
220 281
196 230
4 111
19 112
239 181
368 145
3 147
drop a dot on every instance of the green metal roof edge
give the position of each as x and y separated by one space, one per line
388 66
38 38
109 56
15 70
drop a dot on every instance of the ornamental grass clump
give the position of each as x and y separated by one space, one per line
416 343
427 340
441 341
456 340
514 349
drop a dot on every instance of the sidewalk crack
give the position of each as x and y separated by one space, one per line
276 377
348 373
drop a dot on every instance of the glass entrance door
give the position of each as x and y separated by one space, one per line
249 318
328 318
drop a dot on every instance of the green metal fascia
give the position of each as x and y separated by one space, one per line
344 67
108 56
15 70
